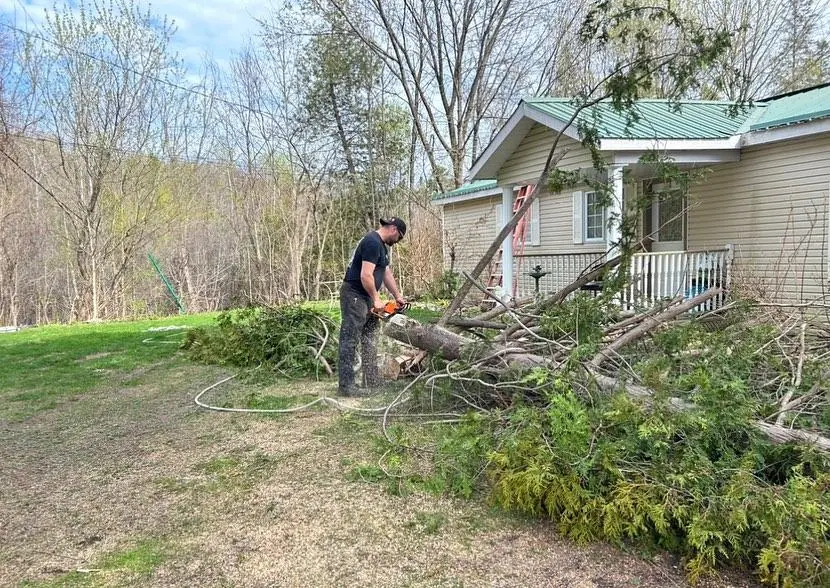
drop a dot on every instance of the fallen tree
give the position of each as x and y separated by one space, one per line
669 424
527 349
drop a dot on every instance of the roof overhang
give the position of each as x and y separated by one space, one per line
688 151
664 145
791 131
624 151
510 137
486 193
629 151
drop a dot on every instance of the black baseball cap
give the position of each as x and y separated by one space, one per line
393 220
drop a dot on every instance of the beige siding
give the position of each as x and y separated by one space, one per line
556 227
469 228
773 206
526 163
555 210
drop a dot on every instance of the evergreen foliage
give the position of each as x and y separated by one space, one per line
703 483
287 339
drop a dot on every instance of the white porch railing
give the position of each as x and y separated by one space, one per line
652 276
562 269
656 276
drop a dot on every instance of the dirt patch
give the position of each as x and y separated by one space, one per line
240 500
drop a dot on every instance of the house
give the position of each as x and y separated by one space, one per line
758 221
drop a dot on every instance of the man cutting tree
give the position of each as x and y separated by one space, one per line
360 300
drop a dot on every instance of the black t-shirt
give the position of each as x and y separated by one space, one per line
372 249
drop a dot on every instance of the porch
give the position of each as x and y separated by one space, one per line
652 276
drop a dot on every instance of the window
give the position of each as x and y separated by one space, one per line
594 217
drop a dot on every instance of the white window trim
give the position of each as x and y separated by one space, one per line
577 214
533 234
535 228
586 239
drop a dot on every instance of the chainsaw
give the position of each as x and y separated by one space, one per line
389 310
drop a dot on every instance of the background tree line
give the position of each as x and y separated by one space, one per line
252 183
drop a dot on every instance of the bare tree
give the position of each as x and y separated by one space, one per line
645 30
453 60
101 87
776 46
805 51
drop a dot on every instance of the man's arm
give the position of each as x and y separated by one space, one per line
392 286
367 279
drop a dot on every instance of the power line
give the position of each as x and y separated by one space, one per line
210 96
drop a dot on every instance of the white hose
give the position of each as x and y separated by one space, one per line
382 411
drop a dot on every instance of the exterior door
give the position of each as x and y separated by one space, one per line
665 218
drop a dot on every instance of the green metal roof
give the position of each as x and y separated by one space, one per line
792 108
693 119
477 186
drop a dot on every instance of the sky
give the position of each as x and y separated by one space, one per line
215 28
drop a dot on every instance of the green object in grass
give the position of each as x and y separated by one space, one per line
168 285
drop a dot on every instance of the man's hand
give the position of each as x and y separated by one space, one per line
377 306
400 300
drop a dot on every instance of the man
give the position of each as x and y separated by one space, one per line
359 294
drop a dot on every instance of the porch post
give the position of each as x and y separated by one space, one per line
615 210
507 245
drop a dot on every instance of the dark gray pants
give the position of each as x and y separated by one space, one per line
357 326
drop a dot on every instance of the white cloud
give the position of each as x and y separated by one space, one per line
214 28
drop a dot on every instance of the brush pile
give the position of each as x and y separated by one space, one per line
704 433
781 360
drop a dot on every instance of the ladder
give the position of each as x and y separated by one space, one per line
519 239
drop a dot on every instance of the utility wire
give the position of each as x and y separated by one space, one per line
127 152
209 96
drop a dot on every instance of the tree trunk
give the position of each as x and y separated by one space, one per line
774 433
437 340
449 345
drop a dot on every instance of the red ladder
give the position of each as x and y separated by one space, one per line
519 239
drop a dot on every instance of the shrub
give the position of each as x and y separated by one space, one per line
287 339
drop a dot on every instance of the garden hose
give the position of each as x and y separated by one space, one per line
323 399
383 411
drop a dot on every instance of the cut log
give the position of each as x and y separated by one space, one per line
449 345
391 367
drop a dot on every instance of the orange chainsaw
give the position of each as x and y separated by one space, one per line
389 310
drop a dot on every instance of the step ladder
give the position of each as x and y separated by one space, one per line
494 282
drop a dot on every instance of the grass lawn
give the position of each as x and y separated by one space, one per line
125 482
44 365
